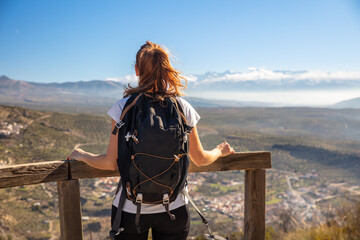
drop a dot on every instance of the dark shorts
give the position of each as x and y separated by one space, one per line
161 225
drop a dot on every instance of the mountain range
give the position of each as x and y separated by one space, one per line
95 92
263 79
105 92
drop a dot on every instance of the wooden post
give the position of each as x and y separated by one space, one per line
254 223
70 209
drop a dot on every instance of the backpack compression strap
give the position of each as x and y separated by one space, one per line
115 229
119 124
211 235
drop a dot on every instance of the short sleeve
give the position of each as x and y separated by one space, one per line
192 117
116 109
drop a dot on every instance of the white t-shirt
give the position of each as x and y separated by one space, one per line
192 118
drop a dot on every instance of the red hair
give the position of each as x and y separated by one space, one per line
156 75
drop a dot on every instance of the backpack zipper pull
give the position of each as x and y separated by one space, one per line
128 136
134 137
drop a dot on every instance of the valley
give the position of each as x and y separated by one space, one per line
315 156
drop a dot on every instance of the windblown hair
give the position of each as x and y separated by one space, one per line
156 75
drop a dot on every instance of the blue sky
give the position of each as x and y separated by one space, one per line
57 41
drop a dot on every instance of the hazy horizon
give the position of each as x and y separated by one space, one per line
306 98
316 96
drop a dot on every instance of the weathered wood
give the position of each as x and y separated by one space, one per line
254 223
33 173
69 193
70 209
80 170
237 161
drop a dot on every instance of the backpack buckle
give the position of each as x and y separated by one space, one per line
185 137
128 188
118 125
139 198
166 199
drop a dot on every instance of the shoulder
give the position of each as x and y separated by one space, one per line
117 108
192 117
121 103
184 103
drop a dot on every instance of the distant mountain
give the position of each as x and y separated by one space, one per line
351 103
11 86
94 87
95 92
264 79
105 92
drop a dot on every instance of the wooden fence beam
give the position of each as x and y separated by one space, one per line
237 161
33 173
69 192
80 170
70 210
254 222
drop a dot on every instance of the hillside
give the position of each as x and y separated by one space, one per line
313 151
351 103
46 95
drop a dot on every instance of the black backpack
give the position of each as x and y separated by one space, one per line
152 154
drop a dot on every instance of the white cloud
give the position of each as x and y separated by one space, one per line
191 78
262 74
130 78
133 79
319 76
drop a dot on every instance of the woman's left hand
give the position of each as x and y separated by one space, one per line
77 154
225 149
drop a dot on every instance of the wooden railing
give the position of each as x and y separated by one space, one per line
68 173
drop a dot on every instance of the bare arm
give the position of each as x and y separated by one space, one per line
203 157
101 161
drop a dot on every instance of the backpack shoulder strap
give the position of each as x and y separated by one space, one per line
180 111
119 124
129 107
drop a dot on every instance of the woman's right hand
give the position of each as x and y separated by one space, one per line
77 154
201 157
225 149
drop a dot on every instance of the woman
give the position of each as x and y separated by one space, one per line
158 78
